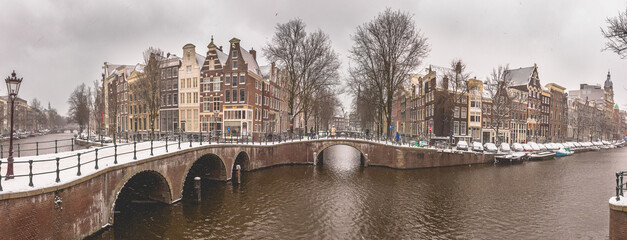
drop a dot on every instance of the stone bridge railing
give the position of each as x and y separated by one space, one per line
76 197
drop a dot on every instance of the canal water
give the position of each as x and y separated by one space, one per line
43 144
565 198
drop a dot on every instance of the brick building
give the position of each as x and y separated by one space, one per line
168 112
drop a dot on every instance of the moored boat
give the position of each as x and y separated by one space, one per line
541 156
514 157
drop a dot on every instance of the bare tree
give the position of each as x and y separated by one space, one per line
454 92
366 102
497 86
150 85
98 106
309 61
79 106
616 34
39 114
324 105
384 51
113 107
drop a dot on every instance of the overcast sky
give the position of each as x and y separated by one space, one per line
57 45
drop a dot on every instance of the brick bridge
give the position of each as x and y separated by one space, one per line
82 207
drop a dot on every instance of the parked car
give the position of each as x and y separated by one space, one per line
462 145
476 147
491 148
504 148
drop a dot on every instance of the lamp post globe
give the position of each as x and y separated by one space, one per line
13 87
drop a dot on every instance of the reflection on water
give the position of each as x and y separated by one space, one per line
557 199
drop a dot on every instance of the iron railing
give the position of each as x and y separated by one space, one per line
174 140
37 148
620 186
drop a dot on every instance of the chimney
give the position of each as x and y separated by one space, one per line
254 53
220 48
168 56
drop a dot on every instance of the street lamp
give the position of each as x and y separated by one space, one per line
13 87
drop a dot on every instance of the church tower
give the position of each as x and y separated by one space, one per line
608 86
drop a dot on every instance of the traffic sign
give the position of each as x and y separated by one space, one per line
390 126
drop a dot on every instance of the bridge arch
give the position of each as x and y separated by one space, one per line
243 160
320 153
143 185
209 166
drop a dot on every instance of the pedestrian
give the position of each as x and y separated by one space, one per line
397 137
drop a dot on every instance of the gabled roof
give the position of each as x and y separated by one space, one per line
222 57
252 63
521 76
200 59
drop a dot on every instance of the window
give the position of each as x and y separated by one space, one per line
456 112
189 83
216 104
462 128
234 80
216 84
195 97
169 99
234 64
175 72
234 55
182 97
175 99
242 95
182 83
463 113
189 97
195 82
227 96
227 80
234 95
189 68
455 128
242 78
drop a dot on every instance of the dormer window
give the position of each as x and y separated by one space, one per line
234 54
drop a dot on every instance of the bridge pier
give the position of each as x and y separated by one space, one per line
315 158
197 188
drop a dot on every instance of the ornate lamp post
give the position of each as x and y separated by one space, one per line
13 87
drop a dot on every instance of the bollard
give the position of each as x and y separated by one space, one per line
37 149
201 139
239 176
115 153
58 179
30 173
134 150
79 164
190 141
1 152
166 144
73 144
55 146
197 188
96 167
18 150
179 141
150 147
